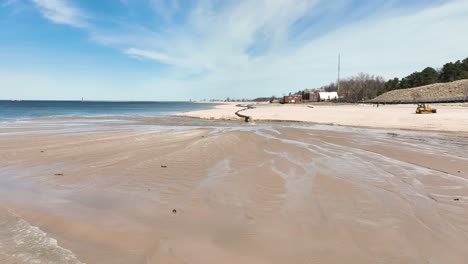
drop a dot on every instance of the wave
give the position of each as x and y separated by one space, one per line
20 242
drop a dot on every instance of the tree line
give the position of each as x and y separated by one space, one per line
450 72
357 88
365 86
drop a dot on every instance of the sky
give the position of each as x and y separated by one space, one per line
175 50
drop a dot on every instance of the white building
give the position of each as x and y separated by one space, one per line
328 96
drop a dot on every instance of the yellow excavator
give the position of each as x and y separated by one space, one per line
425 109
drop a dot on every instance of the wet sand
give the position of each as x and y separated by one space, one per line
264 193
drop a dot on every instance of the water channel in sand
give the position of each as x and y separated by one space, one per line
103 190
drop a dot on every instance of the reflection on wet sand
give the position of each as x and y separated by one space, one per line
262 193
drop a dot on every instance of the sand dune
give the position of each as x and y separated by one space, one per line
436 91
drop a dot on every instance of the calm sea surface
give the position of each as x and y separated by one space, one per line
30 109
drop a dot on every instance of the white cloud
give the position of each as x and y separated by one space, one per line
255 48
218 39
7 3
152 55
62 12
165 8
216 43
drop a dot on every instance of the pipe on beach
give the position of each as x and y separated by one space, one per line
246 107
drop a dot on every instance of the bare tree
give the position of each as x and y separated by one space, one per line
332 87
361 87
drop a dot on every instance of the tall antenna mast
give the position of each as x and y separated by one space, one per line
338 81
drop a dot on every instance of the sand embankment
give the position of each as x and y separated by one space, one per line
436 91
452 117
243 194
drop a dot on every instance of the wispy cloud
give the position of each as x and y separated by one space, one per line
218 36
7 3
250 46
152 55
165 8
62 12
215 49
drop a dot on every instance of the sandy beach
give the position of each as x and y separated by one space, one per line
141 132
448 118
237 193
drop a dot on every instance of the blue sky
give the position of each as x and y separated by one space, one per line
180 50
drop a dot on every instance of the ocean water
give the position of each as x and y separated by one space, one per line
30 109
21 242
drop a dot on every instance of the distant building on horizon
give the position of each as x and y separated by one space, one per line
292 99
328 96
319 96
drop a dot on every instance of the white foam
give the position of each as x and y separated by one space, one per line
21 242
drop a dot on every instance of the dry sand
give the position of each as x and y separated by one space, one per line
251 194
448 118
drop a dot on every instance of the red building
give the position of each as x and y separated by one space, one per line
292 99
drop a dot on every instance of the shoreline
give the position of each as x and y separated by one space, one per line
454 119
273 121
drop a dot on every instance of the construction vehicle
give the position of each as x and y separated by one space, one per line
425 109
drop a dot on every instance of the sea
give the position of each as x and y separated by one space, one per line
14 110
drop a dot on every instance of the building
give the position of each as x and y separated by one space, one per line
328 96
306 95
292 99
313 96
318 96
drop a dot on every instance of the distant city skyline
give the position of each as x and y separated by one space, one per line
158 50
